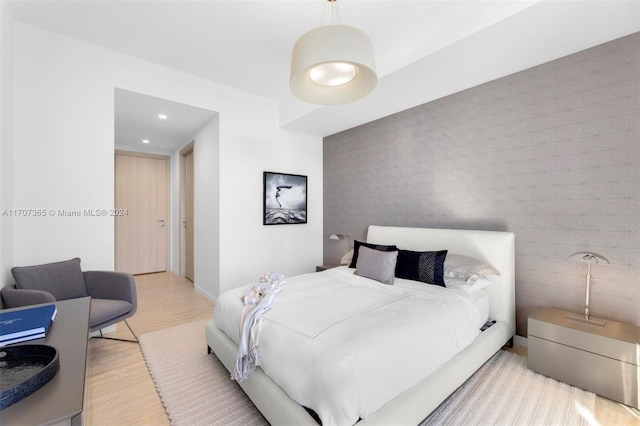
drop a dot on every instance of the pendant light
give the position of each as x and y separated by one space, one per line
332 64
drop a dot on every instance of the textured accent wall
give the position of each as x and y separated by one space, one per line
551 154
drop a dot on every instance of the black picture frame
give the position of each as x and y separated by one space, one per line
284 199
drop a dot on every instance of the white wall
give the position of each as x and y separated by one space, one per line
206 175
63 159
63 149
6 148
275 247
206 151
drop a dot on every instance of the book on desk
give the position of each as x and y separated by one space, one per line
26 324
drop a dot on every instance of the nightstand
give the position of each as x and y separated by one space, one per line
321 268
604 360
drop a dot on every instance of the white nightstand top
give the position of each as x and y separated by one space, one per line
612 329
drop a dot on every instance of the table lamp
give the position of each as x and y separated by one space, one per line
589 258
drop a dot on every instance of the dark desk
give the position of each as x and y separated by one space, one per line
59 401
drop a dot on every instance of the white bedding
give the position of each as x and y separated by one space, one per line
481 300
374 340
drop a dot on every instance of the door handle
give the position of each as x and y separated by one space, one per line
161 223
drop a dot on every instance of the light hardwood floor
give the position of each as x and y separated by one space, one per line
120 390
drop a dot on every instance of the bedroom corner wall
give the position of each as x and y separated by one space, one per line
6 143
551 153
63 159
206 157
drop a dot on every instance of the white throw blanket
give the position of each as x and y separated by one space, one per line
258 299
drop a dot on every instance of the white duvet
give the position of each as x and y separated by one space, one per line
345 345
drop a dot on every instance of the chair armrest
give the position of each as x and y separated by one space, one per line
111 285
14 298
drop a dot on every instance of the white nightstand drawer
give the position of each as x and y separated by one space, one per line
604 360
605 376
584 337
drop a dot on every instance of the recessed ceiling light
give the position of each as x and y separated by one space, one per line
145 140
162 116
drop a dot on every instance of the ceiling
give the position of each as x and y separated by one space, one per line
424 49
136 118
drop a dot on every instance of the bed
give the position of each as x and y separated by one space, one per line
411 405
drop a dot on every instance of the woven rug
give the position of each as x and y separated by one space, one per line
195 389
504 392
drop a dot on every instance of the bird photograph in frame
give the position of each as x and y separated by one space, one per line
284 199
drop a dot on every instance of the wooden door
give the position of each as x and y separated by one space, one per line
142 191
189 215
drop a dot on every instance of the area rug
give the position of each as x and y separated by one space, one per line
505 392
194 386
195 389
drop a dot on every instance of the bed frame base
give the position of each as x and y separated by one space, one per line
408 408
274 404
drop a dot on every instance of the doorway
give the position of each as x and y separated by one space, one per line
187 235
148 124
142 195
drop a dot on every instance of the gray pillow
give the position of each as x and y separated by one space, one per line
63 280
377 265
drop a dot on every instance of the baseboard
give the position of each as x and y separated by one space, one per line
205 293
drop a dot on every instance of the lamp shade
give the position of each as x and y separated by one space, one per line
332 65
588 257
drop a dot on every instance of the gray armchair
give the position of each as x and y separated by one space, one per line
113 294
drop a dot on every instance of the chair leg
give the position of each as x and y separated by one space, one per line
121 340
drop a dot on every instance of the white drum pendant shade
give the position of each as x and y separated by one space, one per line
332 64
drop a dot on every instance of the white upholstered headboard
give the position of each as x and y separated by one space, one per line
497 248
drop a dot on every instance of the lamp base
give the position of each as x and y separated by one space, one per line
586 319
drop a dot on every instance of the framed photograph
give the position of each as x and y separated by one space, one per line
284 199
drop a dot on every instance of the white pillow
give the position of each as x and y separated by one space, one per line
465 268
476 284
346 259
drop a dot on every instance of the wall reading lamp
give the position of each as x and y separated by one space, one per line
342 237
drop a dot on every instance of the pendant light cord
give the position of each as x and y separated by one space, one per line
335 12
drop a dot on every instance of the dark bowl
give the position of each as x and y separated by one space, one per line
24 369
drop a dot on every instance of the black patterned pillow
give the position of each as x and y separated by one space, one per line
425 266
357 244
